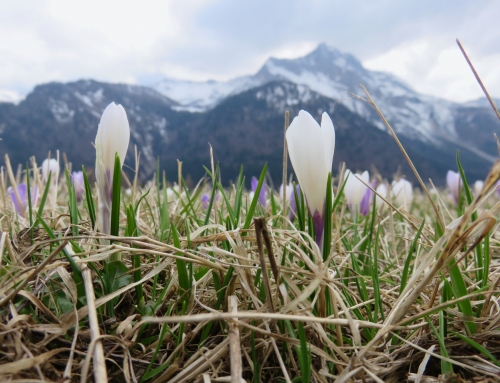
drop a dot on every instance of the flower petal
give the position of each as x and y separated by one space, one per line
311 150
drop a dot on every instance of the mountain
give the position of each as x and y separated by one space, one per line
243 121
335 75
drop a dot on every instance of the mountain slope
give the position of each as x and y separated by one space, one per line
246 128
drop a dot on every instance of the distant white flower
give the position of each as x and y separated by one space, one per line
291 199
289 189
170 194
113 136
311 149
381 192
478 186
355 191
50 165
454 182
79 184
402 193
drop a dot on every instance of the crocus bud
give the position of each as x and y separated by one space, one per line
50 165
205 199
402 193
355 191
78 184
311 150
262 194
113 136
454 182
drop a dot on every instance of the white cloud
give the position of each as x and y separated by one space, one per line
438 69
130 41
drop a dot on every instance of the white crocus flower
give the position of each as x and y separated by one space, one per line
311 150
402 193
454 182
113 136
354 189
50 165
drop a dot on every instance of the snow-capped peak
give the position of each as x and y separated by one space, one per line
336 75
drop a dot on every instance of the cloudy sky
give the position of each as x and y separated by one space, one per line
143 41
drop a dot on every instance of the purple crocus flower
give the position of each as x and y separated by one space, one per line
262 195
364 206
22 191
358 196
205 199
79 184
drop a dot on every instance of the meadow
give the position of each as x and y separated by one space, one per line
220 284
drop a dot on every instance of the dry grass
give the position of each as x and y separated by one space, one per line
357 325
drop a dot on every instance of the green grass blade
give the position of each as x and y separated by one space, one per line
212 198
73 204
115 203
305 354
379 308
181 265
44 198
148 374
255 198
89 198
460 290
327 233
406 269
28 195
131 231
446 367
76 269
164 212
468 194
478 347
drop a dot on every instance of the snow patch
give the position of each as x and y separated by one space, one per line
62 113
11 96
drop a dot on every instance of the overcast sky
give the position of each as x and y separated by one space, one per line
143 41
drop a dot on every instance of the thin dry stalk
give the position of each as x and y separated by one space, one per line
100 372
179 175
285 163
258 223
33 274
495 109
234 343
270 252
424 188
4 188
